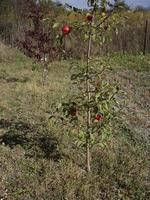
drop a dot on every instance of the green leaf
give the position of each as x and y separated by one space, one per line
56 25
86 36
81 135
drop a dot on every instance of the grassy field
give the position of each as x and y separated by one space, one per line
37 161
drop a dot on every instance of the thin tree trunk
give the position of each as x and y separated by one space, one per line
88 156
45 71
64 47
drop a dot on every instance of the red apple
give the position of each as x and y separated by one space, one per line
99 117
66 29
89 17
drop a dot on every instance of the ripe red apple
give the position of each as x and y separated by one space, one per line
66 29
89 17
99 117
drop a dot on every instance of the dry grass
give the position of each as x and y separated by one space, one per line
39 162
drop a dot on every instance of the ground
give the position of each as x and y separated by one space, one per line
36 161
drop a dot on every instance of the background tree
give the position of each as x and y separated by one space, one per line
39 39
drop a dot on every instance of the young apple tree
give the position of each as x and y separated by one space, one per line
91 110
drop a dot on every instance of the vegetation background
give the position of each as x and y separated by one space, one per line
38 160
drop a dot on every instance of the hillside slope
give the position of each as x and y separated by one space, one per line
37 160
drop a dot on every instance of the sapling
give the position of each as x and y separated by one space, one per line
92 108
